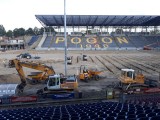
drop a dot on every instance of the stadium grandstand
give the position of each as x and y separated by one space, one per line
99 32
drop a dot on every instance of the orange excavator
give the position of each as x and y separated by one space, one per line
47 75
35 77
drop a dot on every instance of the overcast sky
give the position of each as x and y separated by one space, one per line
21 13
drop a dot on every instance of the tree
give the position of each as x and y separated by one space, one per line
21 31
41 30
30 31
2 30
9 33
15 32
49 29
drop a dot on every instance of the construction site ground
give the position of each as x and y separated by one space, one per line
109 62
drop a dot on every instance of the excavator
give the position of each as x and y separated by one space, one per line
35 77
54 82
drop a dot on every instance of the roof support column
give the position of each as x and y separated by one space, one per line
44 31
73 28
87 30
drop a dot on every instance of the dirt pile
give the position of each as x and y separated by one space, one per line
9 78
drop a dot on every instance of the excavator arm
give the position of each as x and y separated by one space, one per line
43 75
45 70
21 75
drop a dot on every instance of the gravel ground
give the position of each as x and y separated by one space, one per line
56 60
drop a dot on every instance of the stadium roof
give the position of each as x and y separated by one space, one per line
99 20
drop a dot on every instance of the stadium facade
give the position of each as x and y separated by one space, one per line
96 35
96 32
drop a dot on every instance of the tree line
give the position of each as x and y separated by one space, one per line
21 31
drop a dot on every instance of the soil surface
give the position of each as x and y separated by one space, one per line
109 62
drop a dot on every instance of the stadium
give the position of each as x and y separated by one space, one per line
119 51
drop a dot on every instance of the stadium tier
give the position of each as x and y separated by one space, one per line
33 39
98 42
153 41
47 41
84 111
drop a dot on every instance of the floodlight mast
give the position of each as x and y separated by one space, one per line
65 38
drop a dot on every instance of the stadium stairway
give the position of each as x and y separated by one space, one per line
131 41
47 41
52 41
35 44
41 42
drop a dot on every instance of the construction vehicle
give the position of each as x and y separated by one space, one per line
131 82
35 77
11 64
54 81
128 76
69 60
58 83
24 55
151 46
88 74
84 57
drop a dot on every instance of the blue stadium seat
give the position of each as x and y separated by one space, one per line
110 118
143 118
85 111
141 115
121 117
155 118
151 114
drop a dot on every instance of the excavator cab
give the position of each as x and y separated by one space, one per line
59 82
128 73
54 82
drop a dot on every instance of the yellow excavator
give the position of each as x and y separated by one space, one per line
55 82
35 77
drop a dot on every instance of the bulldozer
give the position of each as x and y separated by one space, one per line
130 81
86 74
53 82
128 76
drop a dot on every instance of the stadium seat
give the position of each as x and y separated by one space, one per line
155 118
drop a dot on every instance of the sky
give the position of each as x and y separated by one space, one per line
21 13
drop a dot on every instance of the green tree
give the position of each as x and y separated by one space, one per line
9 33
2 30
21 31
41 30
15 32
30 31
49 29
